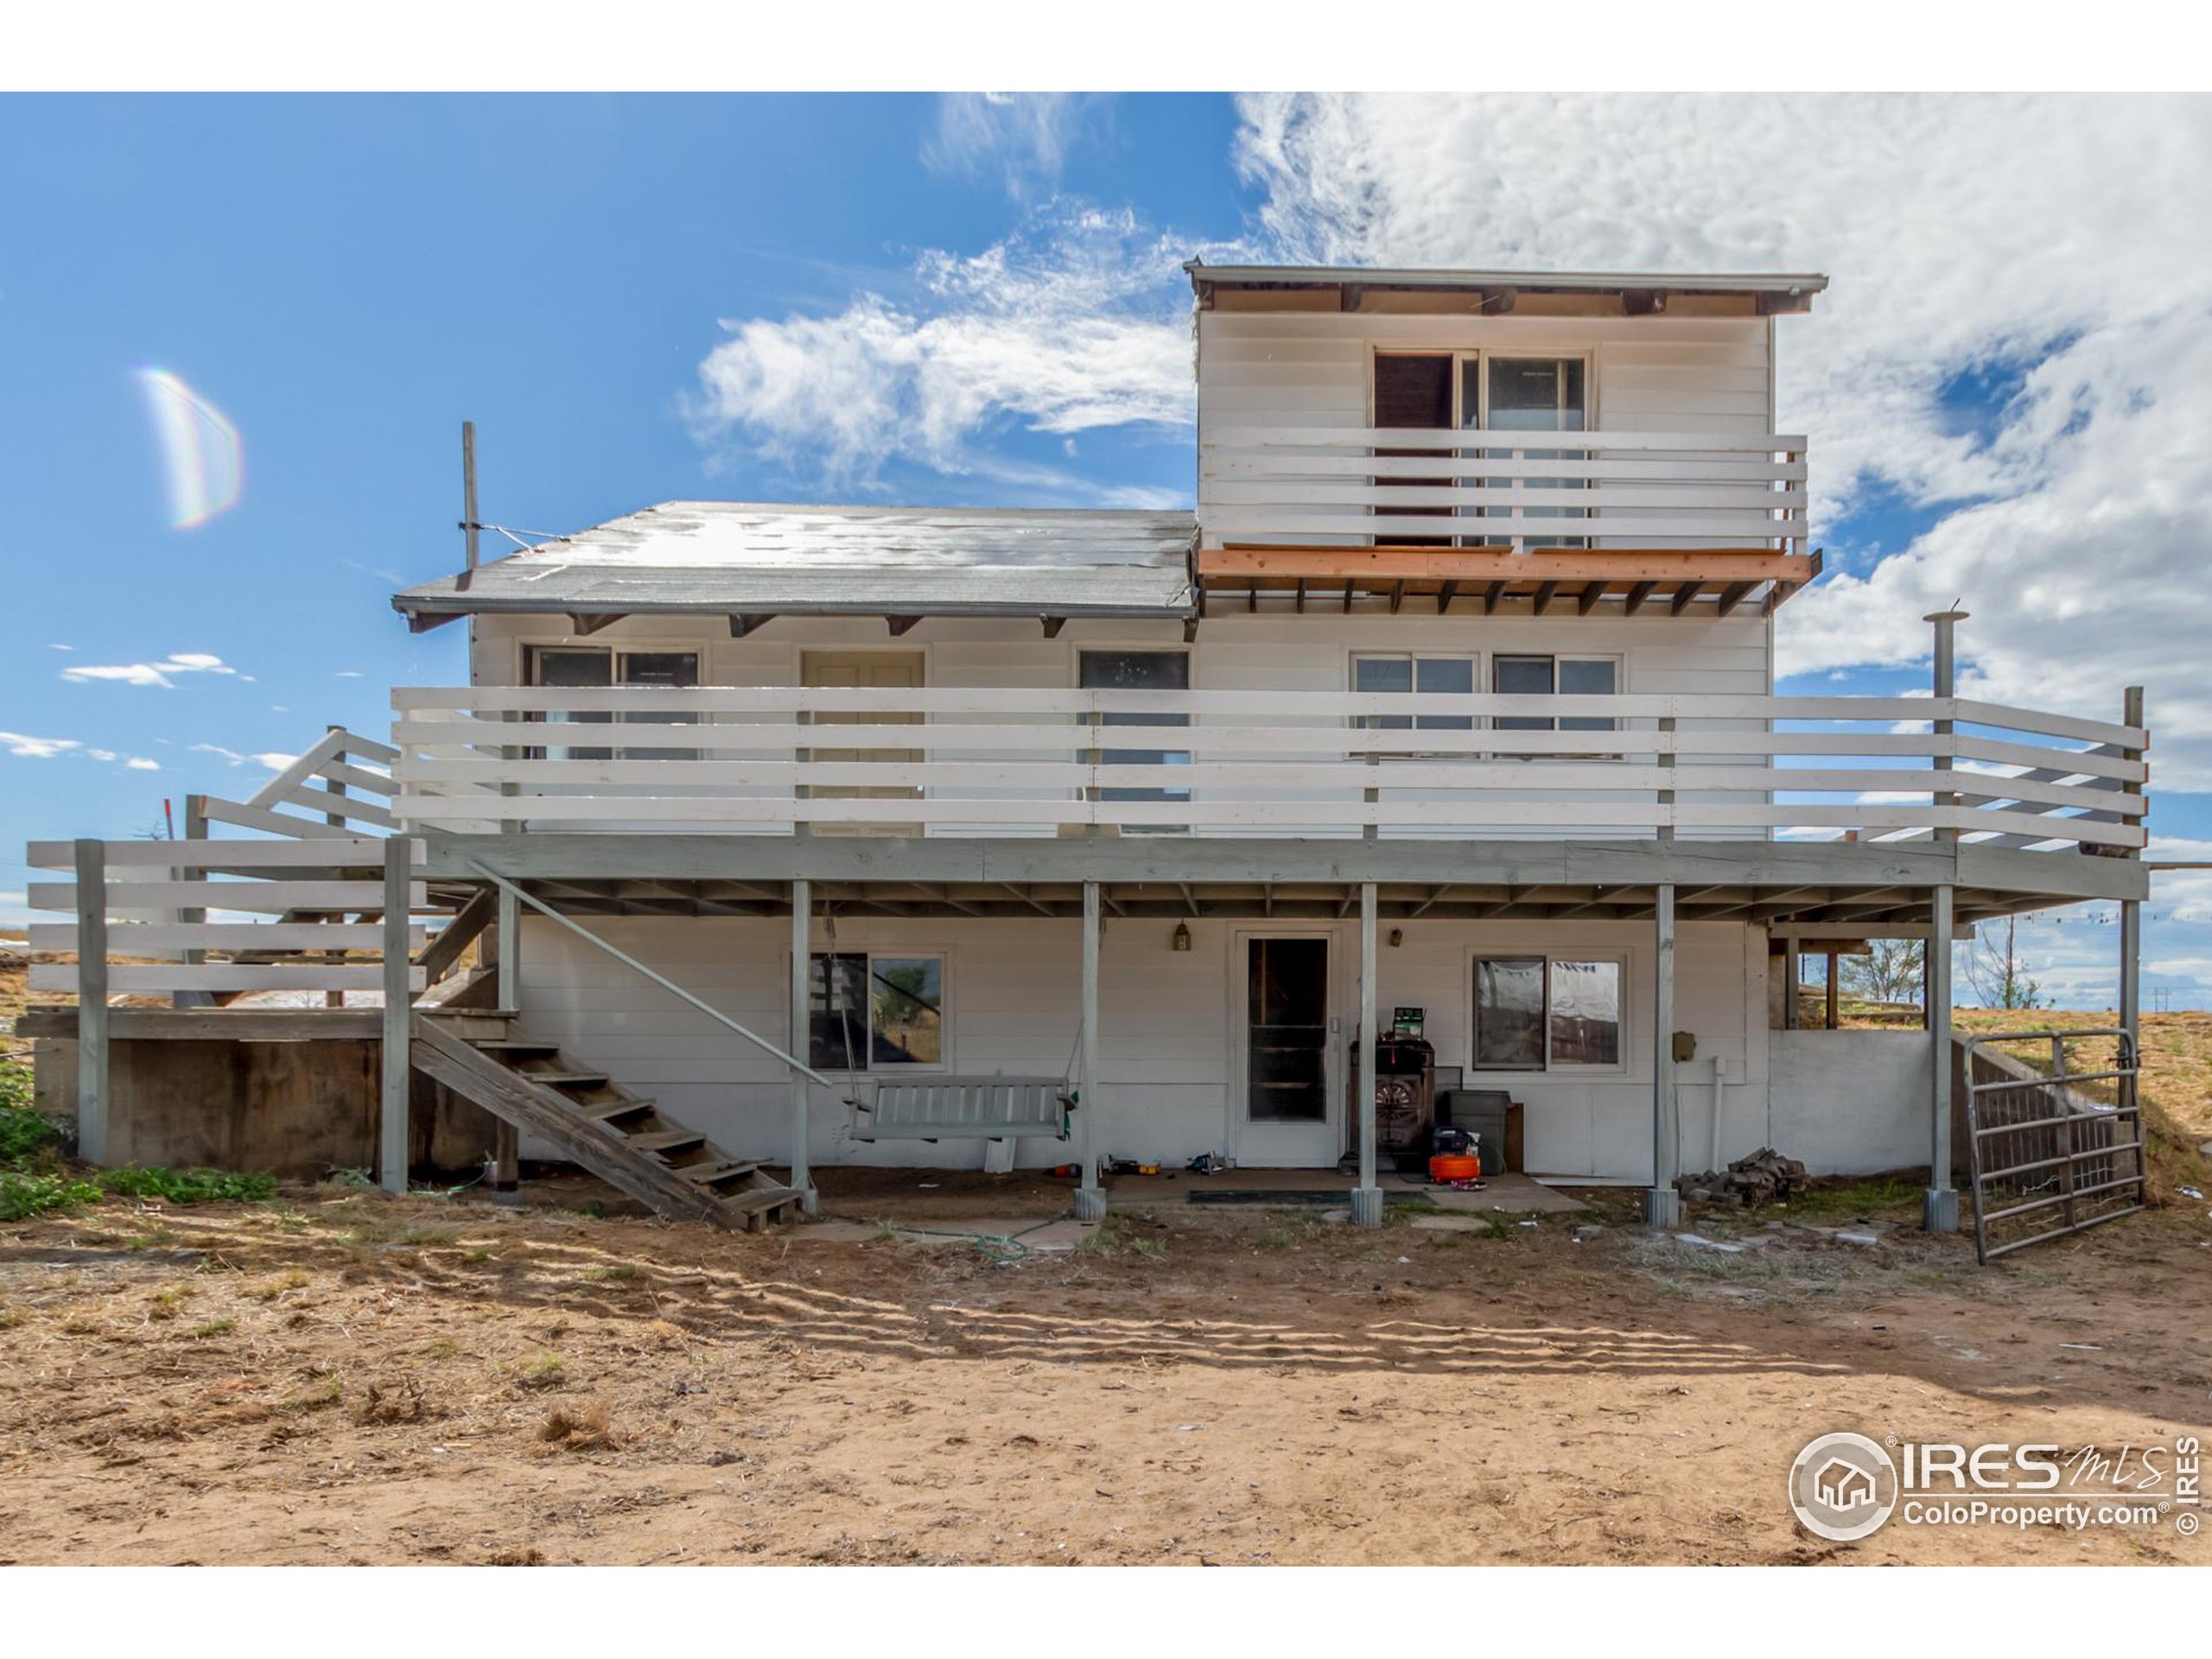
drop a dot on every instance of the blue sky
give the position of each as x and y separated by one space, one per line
646 298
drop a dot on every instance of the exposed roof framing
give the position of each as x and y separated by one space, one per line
1428 581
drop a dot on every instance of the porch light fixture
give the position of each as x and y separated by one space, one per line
1181 940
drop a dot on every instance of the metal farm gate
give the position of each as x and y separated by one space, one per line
2046 1160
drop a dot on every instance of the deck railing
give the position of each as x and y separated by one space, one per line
1382 484
768 759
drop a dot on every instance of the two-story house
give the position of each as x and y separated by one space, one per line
820 835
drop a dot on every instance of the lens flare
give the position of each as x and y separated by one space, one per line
201 452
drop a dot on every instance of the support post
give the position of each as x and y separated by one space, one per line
398 1018
1367 1197
802 945
195 830
92 1001
1945 623
507 1140
1090 1200
2130 933
1834 1001
468 490
1792 992
1664 1206
1942 1206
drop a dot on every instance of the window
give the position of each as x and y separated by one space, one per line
1139 671
1412 391
1475 391
1536 394
872 1012
586 669
1406 672
1537 1013
1545 676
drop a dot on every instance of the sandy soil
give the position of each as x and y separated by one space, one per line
345 1378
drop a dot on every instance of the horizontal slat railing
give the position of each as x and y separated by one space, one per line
956 760
1260 484
178 916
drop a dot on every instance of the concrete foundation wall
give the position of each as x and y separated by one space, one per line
297 1110
1851 1102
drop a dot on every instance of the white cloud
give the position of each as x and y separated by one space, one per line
37 748
275 760
220 752
1079 321
2045 240
1023 137
140 763
180 662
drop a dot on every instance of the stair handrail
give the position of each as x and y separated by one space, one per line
661 979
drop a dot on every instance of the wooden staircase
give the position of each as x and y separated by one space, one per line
622 1138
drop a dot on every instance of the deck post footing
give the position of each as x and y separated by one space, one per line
1367 1206
1090 1203
1940 1214
1663 1207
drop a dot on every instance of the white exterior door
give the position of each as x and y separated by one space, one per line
1286 1050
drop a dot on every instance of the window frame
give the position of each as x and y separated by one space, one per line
1618 661
1621 959
1473 659
1479 357
534 651
866 1064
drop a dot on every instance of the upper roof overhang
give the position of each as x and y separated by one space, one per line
1638 292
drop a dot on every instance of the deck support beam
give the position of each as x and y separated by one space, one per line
1942 1205
1090 1200
1663 1208
1367 1197
398 1020
92 1001
802 1180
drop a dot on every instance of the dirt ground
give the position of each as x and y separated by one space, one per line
341 1377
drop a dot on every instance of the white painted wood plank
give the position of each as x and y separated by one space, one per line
351 809
147 938
142 977
1255 436
338 853
272 822
261 897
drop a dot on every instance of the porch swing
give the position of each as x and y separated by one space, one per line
933 1109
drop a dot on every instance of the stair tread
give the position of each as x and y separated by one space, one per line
563 1076
706 1174
666 1140
599 1111
512 1044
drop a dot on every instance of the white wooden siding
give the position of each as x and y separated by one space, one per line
1167 1028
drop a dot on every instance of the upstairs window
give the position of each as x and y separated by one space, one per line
1139 671
1410 673
590 668
1547 676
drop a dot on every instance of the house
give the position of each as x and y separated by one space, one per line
819 835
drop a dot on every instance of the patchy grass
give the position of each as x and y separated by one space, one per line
187 1185
1125 1233
22 1196
542 1371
